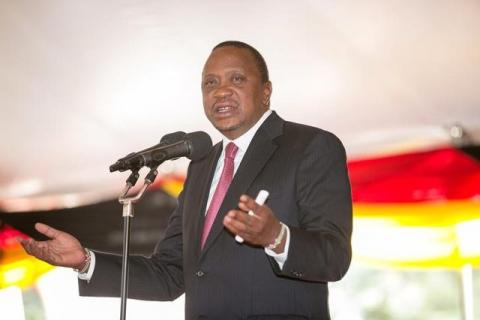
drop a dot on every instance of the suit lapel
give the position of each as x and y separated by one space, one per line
259 151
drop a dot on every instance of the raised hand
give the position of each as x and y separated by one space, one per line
62 250
259 229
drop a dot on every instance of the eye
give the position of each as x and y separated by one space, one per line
238 78
209 82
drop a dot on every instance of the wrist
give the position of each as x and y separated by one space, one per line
83 267
278 243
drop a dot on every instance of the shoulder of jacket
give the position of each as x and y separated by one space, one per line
302 132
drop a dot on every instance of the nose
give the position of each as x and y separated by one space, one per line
223 91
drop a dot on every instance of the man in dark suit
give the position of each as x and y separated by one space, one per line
294 244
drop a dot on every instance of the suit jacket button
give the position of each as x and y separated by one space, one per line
297 274
199 273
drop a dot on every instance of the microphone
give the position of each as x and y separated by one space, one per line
123 164
194 146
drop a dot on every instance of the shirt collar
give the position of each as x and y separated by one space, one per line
244 140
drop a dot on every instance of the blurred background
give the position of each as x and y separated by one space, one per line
83 83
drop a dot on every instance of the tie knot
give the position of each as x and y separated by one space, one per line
231 150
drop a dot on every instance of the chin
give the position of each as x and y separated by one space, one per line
226 129
227 124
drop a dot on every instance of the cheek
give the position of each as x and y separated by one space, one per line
253 99
206 102
251 91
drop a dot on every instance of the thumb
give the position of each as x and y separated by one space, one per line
50 232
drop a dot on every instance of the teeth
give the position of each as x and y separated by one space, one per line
224 109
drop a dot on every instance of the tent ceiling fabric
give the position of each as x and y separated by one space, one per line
86 82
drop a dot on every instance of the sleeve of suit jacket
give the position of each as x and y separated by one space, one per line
159 277
320 248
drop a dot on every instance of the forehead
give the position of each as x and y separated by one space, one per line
230 58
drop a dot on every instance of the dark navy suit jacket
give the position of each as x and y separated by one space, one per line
304 169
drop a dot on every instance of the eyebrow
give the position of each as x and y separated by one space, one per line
232 70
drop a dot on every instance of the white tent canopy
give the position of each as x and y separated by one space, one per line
86 82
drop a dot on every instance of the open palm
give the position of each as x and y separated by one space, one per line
62 250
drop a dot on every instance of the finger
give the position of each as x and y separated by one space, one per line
30 246
237 216
20 239
244 207
38 249
261 212
235 226
247 203
24 243
243 223
242 217
50 232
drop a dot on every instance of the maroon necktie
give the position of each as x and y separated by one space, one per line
222 187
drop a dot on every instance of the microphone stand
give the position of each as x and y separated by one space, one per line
127 213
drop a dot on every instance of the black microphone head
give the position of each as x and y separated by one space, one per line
199 143
121 165
173 137
167 139
116 166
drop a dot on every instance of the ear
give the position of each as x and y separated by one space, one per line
267 93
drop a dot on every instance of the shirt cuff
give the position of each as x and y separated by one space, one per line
280 258
88 274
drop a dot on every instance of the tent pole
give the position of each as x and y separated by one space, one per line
467 291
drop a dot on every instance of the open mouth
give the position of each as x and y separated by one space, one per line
224 109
